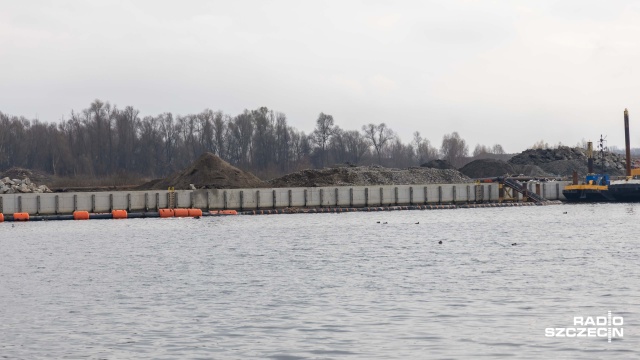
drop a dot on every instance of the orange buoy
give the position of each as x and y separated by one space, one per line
1 217
80 215
228 212
195 212
166 213
180 212
23 216
119 214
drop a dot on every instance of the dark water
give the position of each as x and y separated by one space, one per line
322 286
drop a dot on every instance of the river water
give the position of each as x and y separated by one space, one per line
323 286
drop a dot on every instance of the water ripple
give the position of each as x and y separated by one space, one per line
322 286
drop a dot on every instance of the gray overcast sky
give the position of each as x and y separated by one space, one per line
509 72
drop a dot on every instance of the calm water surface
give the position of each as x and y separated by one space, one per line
322 286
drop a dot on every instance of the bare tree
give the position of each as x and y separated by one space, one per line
423 149
454 149
220 122
402 155
498 149
170 137
322 134
282 142
338 147
378 135
481 150
263 146
206 139
242 132
540 145
357 146
127 124
300 148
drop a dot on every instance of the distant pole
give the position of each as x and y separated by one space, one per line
590 157
626 141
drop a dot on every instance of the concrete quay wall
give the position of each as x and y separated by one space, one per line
262 199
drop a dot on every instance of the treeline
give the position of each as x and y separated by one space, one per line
105 140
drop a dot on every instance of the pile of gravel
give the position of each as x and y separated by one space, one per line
369 175
564 160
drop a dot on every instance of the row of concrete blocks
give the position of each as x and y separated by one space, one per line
258 199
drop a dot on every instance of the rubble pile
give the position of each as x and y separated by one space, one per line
14 186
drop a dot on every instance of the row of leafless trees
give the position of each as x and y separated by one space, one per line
105 140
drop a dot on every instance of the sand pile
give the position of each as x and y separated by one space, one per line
208 172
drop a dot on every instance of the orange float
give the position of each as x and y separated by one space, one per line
22 216
180 212
119 214
195 212
80 215
166 213
1 217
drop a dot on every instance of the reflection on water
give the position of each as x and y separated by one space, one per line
322 286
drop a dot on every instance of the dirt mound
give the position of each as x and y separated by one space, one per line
564 160
438 164
484 168
208 172
36 176
368 175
